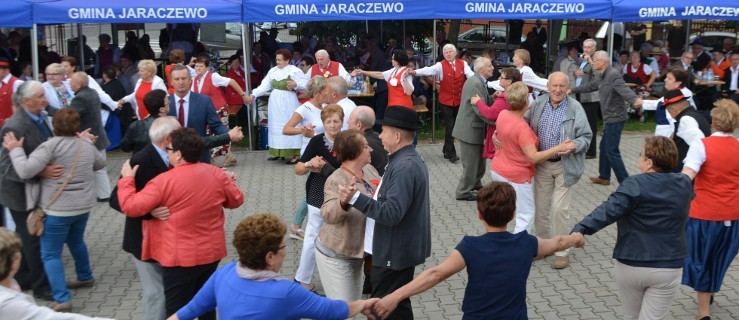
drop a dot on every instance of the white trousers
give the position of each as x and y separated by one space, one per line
102 182
524 203
308 254
342 279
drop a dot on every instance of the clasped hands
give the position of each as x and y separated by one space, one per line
315 164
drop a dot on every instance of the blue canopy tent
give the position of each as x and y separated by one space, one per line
640 10
16 13
332 10
135 11
514 9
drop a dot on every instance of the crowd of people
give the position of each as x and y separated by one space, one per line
367 192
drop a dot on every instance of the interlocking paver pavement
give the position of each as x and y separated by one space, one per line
585 290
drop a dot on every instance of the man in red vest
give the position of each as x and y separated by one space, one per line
8 85
327 68
452 73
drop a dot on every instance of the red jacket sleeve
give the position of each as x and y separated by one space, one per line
138 204
492 112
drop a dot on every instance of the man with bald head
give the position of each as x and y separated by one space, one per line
614 94
362 119
450 75
86 101
336 92
554 118
326 68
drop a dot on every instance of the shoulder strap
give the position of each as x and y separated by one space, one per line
69 177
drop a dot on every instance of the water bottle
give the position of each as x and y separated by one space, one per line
359 83
708 75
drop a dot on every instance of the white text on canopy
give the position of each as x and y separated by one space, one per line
340 8
517 7
659 12
137 13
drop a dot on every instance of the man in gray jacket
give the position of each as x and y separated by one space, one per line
469 128
584 75
29 122
555 118
87 102
613 97
400 208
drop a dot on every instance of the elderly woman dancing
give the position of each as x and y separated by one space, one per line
253 288
713 228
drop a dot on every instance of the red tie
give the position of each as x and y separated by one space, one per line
197 84
181 113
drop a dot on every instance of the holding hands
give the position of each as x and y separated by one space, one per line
308 130
236 134
346 192
315 164
566 147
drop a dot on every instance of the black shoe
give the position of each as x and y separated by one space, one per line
103 199
468 198
589 157
477 188
453 159
446 156
44 295
274 158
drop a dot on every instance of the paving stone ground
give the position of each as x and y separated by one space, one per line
585 290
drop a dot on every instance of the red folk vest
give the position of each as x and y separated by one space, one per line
6 103
716 186
168 75
331 71
450 90
395 94
215 93
639 74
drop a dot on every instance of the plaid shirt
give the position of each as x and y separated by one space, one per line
550 125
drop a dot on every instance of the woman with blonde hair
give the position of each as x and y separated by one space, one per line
148 81
521 60
58 92
713 227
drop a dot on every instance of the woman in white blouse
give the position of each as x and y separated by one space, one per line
283 80
148 81
522 59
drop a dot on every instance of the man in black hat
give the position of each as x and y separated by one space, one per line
690 125
400 210
702 58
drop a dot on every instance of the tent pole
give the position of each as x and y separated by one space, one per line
549 46
610 42
34 51
246 44
433 105
80 45
688 25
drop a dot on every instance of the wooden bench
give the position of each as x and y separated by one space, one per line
420 108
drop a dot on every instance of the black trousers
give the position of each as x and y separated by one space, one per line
385 281
380 106
182 283
449 116
31 274
591 112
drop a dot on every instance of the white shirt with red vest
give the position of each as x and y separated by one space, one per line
210 84
8 86
450 89
334 69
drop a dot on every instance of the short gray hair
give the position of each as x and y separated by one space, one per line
338 85
595 44
602 55
480 62
365 115
25 91
162 127
449 45
54 67
322 53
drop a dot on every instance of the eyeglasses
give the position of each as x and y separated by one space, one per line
169 149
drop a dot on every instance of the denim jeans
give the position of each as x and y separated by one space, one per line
58 231
610 156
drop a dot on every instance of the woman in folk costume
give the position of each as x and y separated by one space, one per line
283 80
399 82
211 84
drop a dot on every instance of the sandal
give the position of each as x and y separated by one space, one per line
292 161
296 233
230 160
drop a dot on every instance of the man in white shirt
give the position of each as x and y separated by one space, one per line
690 125
336 92
327 68
451 73
730 88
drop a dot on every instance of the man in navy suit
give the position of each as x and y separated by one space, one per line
191 109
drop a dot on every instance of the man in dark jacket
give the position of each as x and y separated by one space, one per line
87 102
30 123
690 125
400 210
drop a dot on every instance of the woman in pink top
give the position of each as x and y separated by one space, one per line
507 77
515 161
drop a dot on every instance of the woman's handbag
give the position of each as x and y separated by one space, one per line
35 220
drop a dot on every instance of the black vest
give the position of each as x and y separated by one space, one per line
682 146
